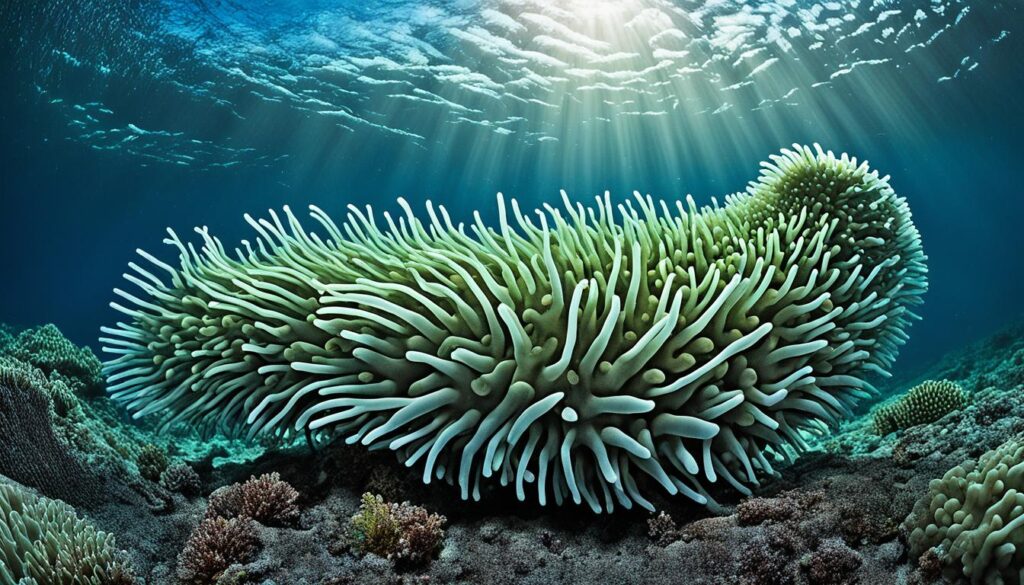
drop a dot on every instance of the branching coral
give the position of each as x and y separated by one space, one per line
44 542
152 461
927 402
267 499
400 532
47 349
974 517
180 477
587 352
215 545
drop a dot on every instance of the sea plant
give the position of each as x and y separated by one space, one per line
593 352
404 533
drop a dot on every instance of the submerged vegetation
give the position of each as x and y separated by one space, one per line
404 533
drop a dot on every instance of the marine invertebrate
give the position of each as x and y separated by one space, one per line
662 529
267 499
588 352
216 544
44 541
973 518
927 402
31 449
180 477
401 532
16 373
46 348
152 461
833 563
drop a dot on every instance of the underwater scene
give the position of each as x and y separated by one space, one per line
327 292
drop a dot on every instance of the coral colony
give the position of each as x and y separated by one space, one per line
584 354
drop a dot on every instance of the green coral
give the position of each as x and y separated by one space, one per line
927 402
17 373
43 542
47 349
973 518
400 532
152 461
590 354
51 432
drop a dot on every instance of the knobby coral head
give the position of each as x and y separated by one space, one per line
589 354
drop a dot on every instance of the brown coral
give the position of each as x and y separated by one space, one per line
401 532
181 478
215 545
833 563
267 499
662 529
785 506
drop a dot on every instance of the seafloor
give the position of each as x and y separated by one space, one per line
838 515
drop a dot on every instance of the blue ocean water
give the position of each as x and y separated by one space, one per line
121 119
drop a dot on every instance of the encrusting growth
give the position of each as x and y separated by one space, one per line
586 354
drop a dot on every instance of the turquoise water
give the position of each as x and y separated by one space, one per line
121 119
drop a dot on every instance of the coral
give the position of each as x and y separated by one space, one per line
152 461
924 403
833 563
771 557
591 353
266 499
374 529
401 532
63 446
47 349
973 518
180 477
269 500
662 529
14 372
32 453
754 511
215 545
43 541
224 502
